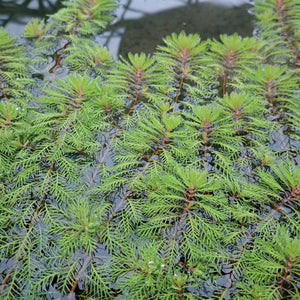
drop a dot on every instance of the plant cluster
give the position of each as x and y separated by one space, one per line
172 176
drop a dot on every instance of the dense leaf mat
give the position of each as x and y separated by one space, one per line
174 176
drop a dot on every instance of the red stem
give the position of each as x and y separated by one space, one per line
280 8
285 275
33 220
78 276
31 224
293 194
180 294
227 70
111 116
142 172
125 197
138 84
184 57
271 101
178 92
44 193
206 129
186 266
186 208
59 59
235 263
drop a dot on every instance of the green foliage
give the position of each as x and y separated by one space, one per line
279 23
172 176
13 71
229 60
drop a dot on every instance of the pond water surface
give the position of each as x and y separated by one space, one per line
140 25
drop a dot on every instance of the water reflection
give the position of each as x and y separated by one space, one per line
141 24
15 14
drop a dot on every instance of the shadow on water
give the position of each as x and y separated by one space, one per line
18 13
144 34
208 20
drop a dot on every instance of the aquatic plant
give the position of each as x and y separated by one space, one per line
172 176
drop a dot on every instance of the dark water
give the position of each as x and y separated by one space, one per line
207 19
140 25
15 14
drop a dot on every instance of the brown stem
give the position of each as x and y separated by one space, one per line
31 224
236 262
26 147
206 130
59 58
257 167
186 266
178 92
125 197
67 42
285 275
111 116
250 236
78 276
270 98
186 208
293 194
133 104
17 260
237 116
139 76
41 203
280 8
271 101
33 220
90 256
184 58
227 70
180 294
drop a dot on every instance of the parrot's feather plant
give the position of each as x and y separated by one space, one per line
171 176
